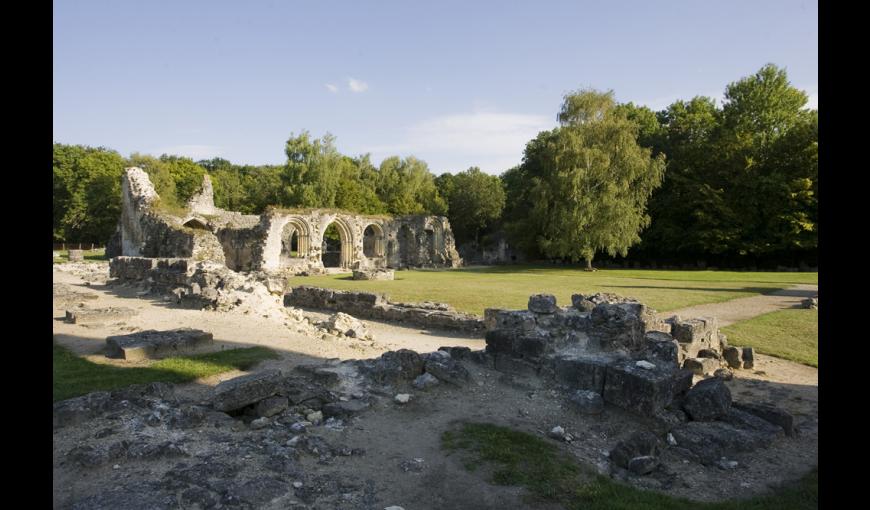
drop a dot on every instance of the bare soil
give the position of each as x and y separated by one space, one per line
394 435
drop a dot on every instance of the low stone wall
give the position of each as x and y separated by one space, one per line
369 305
613 346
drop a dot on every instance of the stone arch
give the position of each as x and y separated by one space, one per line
373 241
295 241
272 248
345 255
196 224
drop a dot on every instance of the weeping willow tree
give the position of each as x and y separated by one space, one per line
589 181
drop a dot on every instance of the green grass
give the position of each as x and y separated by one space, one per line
473 289
791 334
74 376
522 459
97 255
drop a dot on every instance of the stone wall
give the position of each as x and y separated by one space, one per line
613 346
278 239
369 305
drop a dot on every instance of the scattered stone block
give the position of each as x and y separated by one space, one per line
542 303
348 326
153 344
76 256
701 366
769 413
449 371
84 315
733 356
748 357
248 389
425 381
708 400
374 274
709 441
638 453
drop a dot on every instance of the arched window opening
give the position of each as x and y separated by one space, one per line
373 241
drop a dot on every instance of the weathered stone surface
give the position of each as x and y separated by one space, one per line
500 340
709 353
84 315
66 294
80 409
708 400
733 356
394 367
582 372
449 371
76 255
748 357
580 302
245 390
701 366
271 406
345 409
348 326
587 402
542 303
770 413
638 453
374 274
707 442
457 353
425 381
152 344
643 391
663 347
694 335
809 303
724 373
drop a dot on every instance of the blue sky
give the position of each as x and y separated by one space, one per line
454 83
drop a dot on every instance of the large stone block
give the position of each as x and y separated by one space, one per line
542 303
500 341
701 366
708 400
709 441
83 315
152 344
582 372
769 413
643 390
242 391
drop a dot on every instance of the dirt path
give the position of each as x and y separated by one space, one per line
729 312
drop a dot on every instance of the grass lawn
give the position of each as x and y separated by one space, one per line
790 334
522 459
473 289
97 255
74 376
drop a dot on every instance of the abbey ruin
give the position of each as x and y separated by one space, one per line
278 241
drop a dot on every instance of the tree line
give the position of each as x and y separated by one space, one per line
735 184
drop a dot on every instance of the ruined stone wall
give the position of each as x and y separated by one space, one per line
267 242
369 305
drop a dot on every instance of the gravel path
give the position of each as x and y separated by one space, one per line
729 312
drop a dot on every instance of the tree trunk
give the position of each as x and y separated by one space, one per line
589 264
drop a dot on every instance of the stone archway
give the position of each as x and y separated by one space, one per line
295 242
373 241
279 239
337 253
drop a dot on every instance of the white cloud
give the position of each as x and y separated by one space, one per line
332 88
194 152
813 101
357 85
492 141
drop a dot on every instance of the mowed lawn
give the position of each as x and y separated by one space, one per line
473 289
791 334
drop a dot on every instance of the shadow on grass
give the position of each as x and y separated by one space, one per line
549 475
74 376
743 290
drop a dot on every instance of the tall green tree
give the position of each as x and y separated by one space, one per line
86 185
590 180
475 201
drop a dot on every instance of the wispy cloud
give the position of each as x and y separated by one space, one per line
194 152
357 85
332 88
492 141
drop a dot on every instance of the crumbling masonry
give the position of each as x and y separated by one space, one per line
278 241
